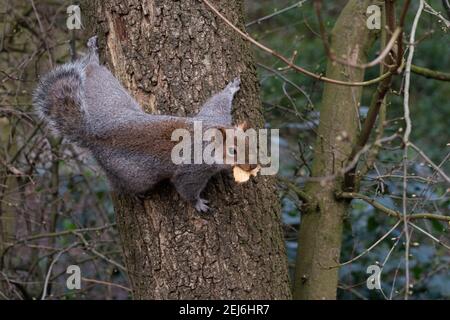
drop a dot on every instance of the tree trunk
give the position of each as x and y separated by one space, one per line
173 55
321 227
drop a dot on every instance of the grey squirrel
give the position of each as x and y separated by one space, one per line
85 103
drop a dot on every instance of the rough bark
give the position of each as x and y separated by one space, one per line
172 55
320 234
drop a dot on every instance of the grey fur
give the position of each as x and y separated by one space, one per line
84 102
210 110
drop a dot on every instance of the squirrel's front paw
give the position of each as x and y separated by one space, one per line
234 85
201 206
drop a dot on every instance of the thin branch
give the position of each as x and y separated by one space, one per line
41 27
300 193
63 233
430 10
49 272
429 235
285 79
389 45
391 212
378 99
98 254
435 167
406 139
400 38
111 284
368 249
351 165
430 74
293 6
288 62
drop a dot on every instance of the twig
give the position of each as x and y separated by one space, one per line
389 45
41 27
293 6
288 62
106 283
406 139
431 74
49 272
368 249
100 255
430 10
63 233
429 235
386 260
391 212
377 101
424 156
300 193
285 79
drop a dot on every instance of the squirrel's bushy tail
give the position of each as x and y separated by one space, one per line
59 99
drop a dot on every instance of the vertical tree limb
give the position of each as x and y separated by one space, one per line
321 226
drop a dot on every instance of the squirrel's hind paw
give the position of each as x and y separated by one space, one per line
201 206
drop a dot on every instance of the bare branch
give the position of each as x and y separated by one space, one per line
288 62
391 212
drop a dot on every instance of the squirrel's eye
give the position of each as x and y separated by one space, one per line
231 151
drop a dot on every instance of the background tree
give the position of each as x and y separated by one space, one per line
379 176
320 235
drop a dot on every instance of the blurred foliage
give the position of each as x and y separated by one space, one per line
52 195
296 33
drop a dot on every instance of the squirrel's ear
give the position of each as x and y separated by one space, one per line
218 107
223 131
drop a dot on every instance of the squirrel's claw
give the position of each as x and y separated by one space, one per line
201 206
92 43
